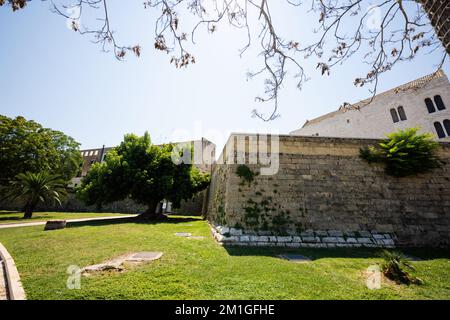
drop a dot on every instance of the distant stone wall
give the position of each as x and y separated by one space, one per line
325 195
72 204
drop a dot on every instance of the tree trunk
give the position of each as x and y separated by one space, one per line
29 208
438 12
152 213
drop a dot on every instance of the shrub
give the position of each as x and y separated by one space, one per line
245 173
405 153
395 266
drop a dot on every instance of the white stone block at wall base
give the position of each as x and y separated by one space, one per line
364 240
311 239
330 240
235 232
230 239
335 233
296 241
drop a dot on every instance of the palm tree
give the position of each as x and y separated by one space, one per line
36 187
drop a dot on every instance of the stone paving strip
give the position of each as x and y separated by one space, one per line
189 236
41 223
119 263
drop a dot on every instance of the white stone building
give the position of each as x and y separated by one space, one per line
423 103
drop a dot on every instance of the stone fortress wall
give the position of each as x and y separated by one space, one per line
325 195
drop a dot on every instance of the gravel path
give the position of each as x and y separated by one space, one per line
40 223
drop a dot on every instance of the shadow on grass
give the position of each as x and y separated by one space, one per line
320 253
134 220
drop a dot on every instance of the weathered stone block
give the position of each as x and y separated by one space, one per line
284 239
335 233
230 239
307 233
364 234
330 240
310 239
244 238
55 224
235 232
364 240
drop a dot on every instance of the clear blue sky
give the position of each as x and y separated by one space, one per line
50 74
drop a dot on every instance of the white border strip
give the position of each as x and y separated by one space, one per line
15 289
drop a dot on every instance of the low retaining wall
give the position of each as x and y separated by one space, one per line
324 194
307 239
14 285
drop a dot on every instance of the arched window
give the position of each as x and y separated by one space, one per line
447 126
401 113
430 105
394 115
440 132
439 103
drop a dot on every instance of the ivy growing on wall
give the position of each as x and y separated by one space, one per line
404 153
246 174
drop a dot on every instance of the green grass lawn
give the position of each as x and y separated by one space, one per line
7 217
201 269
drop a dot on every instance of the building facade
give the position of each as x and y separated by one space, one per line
423 103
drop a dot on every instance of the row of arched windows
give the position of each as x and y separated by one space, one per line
431 107
398 114
440 130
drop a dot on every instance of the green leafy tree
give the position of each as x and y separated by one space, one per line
405 153
144 172
27 146
36 187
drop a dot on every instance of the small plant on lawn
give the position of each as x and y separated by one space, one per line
245 173
395 266
405 153
36 187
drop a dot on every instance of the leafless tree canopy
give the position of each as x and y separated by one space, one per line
386 33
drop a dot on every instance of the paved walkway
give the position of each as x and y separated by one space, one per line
3 291
40 223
